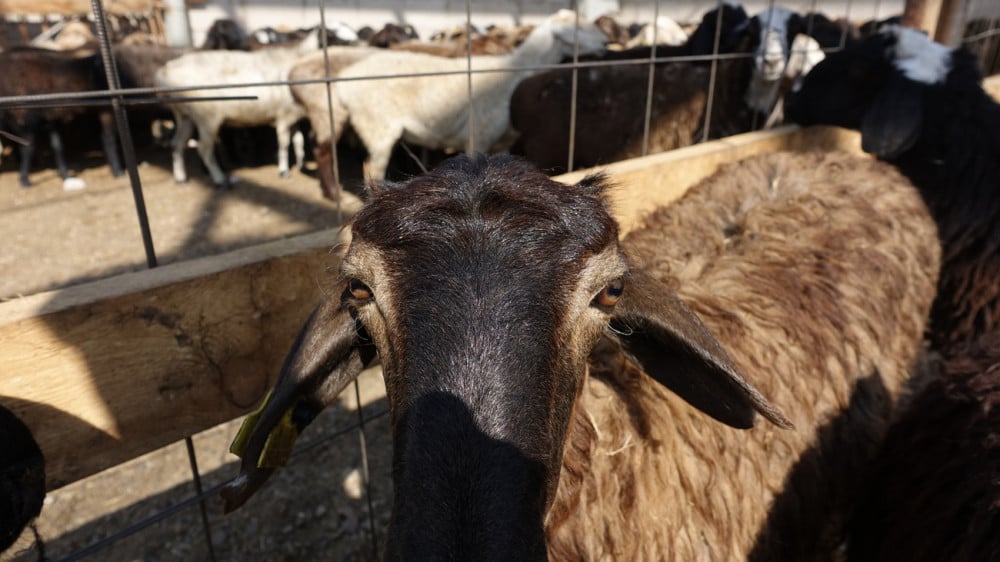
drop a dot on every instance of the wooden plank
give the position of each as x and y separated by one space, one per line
658 179
992 86
922 15
107 371
949 26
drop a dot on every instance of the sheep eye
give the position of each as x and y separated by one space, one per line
359 290
610 294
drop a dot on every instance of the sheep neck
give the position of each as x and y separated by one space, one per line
541 47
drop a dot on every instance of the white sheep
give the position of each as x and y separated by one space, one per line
274 104
318 104
666 32
434 111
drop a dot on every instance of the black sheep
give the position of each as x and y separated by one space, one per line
22 478
921 106
30 71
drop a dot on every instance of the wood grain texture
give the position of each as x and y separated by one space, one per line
107 371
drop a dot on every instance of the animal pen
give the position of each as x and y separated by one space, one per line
131 381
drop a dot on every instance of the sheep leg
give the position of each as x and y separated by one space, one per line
378 161
183 129
379 145
283 131
110 146
55 141
206 149
299 145
324 169
27 150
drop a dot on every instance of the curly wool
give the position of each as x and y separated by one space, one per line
816 272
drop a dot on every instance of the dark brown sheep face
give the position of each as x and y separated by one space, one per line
484 286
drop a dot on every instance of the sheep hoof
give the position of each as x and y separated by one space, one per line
285 174
227 183
73 184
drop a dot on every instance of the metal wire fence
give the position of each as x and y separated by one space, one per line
982 33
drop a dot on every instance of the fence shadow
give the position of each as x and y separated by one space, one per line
806 520
315 508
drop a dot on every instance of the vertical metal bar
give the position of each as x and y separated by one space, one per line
573 87
649 83
847 18
365 472
124 134
329 113
471 145
199 491
711 78
128 147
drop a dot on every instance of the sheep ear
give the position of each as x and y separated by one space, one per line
671 344
893 123
330 352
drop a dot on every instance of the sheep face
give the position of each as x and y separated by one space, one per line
772 30
485 286
863 88
564 29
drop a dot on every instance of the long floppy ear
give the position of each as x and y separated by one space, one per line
893 123
671 344
329 353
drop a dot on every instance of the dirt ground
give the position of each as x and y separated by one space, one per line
317 507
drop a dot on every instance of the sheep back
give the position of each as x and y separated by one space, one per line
234 67
30 71
313 96
427 110
611 112
816 272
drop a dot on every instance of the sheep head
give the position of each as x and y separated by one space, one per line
484 286
566 29
876 86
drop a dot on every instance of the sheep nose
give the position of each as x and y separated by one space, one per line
770 60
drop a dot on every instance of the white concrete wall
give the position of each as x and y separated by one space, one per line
428 16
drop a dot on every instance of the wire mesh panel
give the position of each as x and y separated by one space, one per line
333 501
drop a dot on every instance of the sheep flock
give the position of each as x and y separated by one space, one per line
799 359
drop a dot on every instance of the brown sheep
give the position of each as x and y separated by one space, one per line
528 356
611 100
496 41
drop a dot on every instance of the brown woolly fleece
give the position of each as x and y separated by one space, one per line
816 272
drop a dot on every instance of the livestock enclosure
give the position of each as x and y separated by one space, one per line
132 353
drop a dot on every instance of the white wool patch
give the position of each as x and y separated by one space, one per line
806 53
918 57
